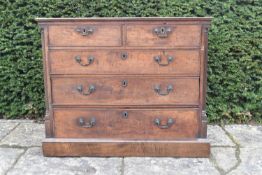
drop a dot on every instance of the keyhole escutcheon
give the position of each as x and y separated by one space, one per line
124 83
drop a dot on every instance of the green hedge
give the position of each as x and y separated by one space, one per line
235 46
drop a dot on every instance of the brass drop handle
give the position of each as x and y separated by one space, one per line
169 123
89 124
169 89
162 31
90 90
85 30
90 60
158 59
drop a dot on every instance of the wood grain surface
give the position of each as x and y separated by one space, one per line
185 62
181 35
103 35
139 91
136 124
120 148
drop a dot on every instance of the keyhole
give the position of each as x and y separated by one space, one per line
162 30
124 56
125 114
124 83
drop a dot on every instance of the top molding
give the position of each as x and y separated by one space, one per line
203 19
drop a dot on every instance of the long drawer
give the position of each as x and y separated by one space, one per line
178 62
126 123
125 90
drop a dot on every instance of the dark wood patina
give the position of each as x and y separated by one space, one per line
125 86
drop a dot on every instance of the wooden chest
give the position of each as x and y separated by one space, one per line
125 86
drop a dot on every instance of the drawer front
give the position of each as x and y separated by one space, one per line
184 62
85 35
126 124
163 35
117 90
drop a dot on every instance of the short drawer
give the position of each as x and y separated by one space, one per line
125 90
126 123
85 35
179 62
163 35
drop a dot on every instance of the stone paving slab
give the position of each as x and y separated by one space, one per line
217 136
238 156
6 128
34 133
25 135
8 157
251 162
224 157
33 163
168 166
246 135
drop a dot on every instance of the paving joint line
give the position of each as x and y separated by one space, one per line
15 162
217 167
18 124
17 146
122 170
213 160
223 146
237 150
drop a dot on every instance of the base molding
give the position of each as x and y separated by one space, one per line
60 147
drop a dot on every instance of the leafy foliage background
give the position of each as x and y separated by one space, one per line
235 46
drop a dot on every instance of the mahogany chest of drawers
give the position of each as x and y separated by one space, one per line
125 86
